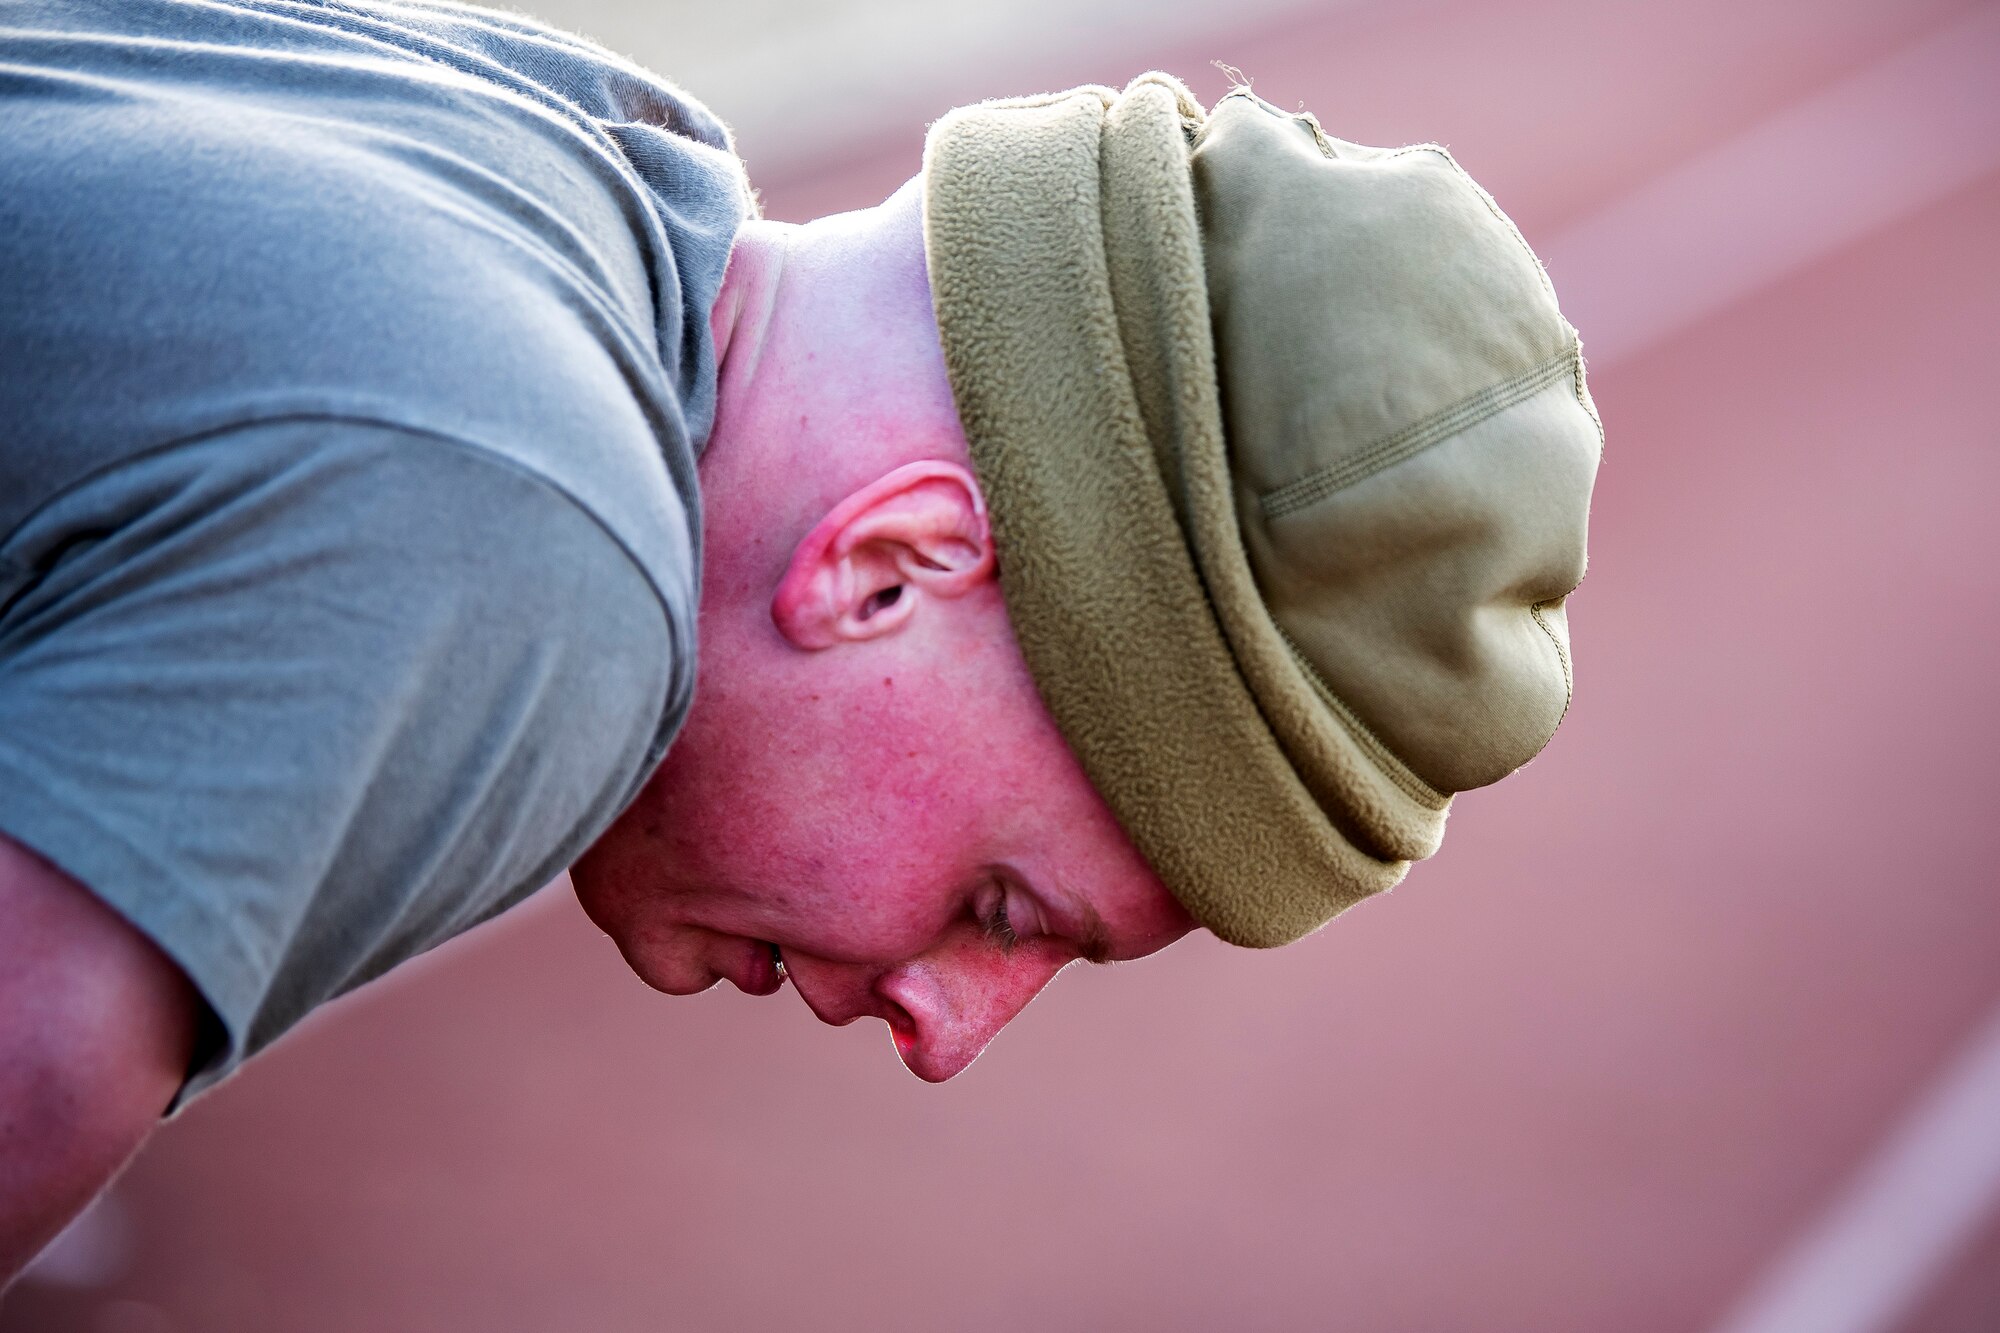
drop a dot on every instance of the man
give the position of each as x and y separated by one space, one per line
1143 519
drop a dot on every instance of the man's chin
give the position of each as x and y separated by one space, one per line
678 982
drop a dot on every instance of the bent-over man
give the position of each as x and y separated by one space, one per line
423 473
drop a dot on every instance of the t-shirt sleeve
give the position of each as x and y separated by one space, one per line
303 699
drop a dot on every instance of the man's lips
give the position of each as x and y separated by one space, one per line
760 970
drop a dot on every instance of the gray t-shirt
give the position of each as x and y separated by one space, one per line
354 361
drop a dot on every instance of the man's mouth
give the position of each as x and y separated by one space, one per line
762 970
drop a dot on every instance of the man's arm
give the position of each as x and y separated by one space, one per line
96 1028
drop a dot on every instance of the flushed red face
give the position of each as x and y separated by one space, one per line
917 842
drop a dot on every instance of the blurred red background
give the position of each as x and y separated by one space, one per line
1685 1027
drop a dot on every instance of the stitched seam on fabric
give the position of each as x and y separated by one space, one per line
1569 675
1493 207
1393 768
254 421
1420 435
1583 397
1562 656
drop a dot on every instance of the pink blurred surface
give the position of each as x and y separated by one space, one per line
1589 1069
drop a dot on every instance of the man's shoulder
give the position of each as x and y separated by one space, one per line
303 698
312 211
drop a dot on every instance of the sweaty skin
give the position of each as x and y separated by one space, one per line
867 780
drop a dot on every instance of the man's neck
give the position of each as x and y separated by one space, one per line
741 317
829 376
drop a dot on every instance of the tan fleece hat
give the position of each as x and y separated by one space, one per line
1288 454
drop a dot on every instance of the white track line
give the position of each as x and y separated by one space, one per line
1901 1219
1874 148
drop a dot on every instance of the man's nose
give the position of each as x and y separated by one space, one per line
948 1008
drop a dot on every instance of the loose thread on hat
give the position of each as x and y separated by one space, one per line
1237 78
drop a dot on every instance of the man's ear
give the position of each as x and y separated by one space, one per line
918 532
